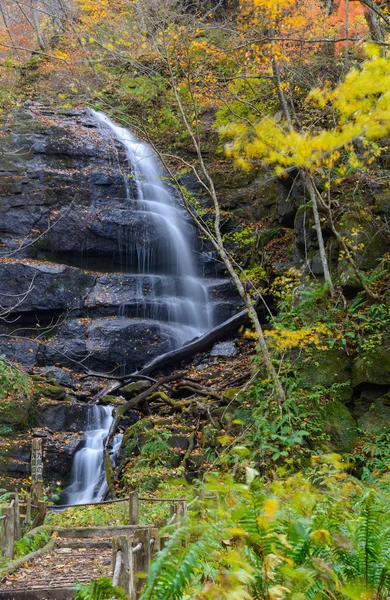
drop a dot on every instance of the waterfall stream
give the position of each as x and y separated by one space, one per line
87 479
176 299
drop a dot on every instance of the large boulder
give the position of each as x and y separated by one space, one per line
365 240
328 367
62 416
372 367
372 411
108 343
28 285
340 427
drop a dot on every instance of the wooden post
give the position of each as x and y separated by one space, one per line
142 558
154 542
133 509
17 526
181 512
39 518
36 469
122 549
8 532
28 510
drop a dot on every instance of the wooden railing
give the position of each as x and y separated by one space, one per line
133 552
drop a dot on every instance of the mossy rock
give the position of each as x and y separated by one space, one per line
111 400
133 389
340 426
348 278
382 201
372 367
357 231
327 367
49 390
15 409
376 419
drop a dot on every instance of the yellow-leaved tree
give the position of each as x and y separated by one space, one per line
360 107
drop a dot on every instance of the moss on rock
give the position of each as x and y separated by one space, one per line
327 367
372 367
340 427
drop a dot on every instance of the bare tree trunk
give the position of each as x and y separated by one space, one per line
346 51
218 244
309 185
37 27
350 259
307 181
375 28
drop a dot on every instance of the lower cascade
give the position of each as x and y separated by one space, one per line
88 480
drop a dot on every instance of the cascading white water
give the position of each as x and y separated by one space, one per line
87 479
181 318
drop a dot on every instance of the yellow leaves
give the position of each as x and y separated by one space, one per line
270 508
321 535
283 339
362 102
61 55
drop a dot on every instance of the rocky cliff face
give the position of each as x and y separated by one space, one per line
70 239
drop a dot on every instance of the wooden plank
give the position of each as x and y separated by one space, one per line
39 594
100 532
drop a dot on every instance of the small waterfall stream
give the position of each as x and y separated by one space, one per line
160 256
87 479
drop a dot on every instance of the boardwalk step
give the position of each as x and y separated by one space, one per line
42 594
100 532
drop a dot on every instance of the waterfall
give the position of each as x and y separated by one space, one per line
88 479
180 318
154 243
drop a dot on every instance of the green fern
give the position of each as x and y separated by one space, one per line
99 589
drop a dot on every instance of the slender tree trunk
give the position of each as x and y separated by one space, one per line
350 259
375 28
317 224
37 27
307 180
218 243
346 52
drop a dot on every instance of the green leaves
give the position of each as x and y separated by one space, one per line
99 589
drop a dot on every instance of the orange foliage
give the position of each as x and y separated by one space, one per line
357 24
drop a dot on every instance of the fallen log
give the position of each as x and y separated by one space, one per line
200 344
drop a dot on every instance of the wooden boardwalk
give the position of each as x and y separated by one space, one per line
76 555
80 554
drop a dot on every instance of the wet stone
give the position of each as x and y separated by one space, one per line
226 349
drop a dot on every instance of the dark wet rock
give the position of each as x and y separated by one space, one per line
62 416
106 344
19 350
58 454
227 349
178 442
27 286
15 456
